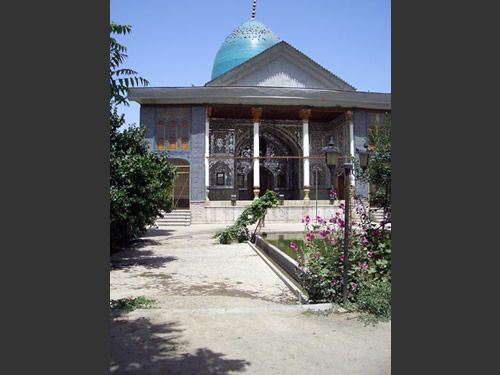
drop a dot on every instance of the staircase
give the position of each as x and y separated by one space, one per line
175 218
376 214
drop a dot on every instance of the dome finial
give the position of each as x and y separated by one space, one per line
254 9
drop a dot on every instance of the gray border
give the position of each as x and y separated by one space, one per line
55 182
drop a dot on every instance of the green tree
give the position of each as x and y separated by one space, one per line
140 179
379 172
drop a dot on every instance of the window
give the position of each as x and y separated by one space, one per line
184 134
281 181
219 179
172 136
240 180
160 137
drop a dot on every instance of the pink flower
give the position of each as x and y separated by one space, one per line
363 266
369 254
306 270
309 236
354 286
307 219
324 233
341 258
364 241
293 245
334 282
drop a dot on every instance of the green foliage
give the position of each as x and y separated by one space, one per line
250 215
131 304
121 78
379 171
374 300
140 180
321 259
140 186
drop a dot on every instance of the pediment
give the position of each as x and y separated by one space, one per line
281 66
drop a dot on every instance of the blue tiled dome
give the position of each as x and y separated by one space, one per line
246 41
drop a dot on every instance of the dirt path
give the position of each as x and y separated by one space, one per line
221 310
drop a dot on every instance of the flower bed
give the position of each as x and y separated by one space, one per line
321 263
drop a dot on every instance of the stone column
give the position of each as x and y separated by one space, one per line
256 114
207 151
305 114
350 127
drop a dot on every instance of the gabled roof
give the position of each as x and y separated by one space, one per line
283 50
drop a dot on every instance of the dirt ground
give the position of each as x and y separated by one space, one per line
221 310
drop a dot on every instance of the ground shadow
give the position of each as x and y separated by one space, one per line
157 232
141 347
136 257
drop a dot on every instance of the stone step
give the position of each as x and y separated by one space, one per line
175 218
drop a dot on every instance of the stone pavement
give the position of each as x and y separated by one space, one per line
221 310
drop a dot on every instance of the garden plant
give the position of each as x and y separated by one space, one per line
250 215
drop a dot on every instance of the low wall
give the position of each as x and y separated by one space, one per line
203 212
284 261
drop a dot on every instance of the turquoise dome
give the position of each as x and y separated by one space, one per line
246 41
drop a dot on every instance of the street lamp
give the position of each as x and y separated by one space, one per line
364 157
332 154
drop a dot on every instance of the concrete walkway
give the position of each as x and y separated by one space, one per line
221 310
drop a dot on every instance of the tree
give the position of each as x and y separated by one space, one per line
379 172
140 180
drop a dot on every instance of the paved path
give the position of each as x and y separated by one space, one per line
221 310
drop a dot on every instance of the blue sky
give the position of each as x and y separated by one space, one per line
174 42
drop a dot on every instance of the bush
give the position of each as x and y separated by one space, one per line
140 185
250 215
131 304
321 259
375 299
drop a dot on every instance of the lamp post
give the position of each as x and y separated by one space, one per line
316 196
332 154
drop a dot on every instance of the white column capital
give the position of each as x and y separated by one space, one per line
256 114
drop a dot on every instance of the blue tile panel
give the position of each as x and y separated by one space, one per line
360 121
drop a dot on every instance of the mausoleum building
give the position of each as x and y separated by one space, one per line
259 124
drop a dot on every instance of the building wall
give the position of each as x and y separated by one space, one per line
195 116
198 153
360 121
147 118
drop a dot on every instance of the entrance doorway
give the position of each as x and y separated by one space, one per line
340 187
266 181
181 185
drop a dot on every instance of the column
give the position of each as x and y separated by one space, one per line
207 151
305 114
350 125
256 114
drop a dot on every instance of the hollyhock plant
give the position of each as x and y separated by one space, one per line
321 257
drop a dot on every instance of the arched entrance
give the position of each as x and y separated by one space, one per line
266 182
181 184
280 169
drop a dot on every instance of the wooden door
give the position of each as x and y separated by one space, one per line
340 187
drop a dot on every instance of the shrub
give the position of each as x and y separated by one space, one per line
250 215
130 304
140 185
321 259
374 299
